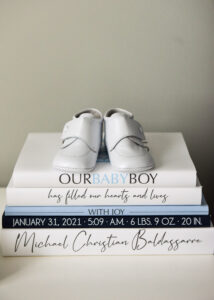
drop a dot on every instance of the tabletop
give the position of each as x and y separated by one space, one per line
108 277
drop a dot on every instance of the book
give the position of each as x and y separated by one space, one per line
131 241
103 196
105 210
105 221
173 165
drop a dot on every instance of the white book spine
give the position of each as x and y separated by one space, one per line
103 196
104 177
43 242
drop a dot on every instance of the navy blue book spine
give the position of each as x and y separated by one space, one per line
105 221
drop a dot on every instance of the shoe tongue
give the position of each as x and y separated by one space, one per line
119 115
86 115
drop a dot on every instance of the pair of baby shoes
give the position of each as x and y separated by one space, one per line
123 137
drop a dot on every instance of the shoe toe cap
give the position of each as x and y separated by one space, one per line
132 163
75 163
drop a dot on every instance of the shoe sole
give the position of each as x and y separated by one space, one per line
136 170
70 170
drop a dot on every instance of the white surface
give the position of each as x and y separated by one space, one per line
173 165
145 277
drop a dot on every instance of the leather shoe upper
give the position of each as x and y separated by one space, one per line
126 143
81 140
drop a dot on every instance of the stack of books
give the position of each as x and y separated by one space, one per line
106 212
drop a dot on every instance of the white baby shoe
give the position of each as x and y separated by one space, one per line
126 143
81 140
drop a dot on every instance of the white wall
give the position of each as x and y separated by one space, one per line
155 58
